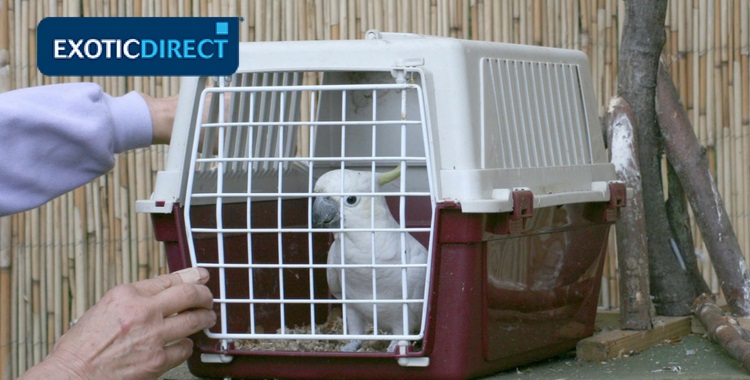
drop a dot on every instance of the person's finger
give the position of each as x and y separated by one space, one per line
187 323
193 275
183 297
177 352
160 283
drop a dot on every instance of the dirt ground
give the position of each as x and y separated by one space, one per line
692 357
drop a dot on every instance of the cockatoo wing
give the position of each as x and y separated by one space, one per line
416 254
334 274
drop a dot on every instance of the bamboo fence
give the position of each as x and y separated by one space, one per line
58 259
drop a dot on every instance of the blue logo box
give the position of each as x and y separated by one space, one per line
138 46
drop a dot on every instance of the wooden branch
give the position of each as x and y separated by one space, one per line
723 329
679 223
690 164
632 252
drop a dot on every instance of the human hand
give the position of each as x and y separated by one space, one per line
163 112
162 116
136 331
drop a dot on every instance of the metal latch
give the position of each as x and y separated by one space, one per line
617 199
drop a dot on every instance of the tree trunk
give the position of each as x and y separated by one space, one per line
691 166
642 42
723 330
632 253
679 224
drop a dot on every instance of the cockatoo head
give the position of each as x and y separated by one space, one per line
357 208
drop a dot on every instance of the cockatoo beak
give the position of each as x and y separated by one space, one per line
326 213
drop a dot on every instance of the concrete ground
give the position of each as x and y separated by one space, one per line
692 357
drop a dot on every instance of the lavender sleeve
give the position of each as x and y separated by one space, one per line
55 138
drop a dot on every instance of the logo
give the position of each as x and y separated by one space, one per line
138 45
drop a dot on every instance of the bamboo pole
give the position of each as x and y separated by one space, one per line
34 75
390 13
87 241
475 14
15 280
6 298
551 28
57 272
710 101
67 278
739 152
374 17
35 282
495 21
5 31
132 232
107 233
77 211
601 47
128 273
23 290
6 251
353 20
44 322
334 20
273 20
21 39
140 230
96 244
745 101
736 111
305 21
523 24
536 27
507 21
408 14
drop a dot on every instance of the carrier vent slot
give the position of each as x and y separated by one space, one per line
533 115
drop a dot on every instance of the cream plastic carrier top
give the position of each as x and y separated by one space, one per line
488 119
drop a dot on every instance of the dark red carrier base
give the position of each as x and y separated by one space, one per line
499 298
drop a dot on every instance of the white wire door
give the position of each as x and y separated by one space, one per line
256 182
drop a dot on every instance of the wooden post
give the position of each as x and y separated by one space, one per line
632 255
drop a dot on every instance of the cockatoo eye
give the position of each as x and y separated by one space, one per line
352 200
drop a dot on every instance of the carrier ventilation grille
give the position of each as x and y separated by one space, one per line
536 112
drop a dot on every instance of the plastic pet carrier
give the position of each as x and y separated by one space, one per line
401 206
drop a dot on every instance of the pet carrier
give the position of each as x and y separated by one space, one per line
401 206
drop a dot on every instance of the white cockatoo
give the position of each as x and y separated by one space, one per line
357 283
